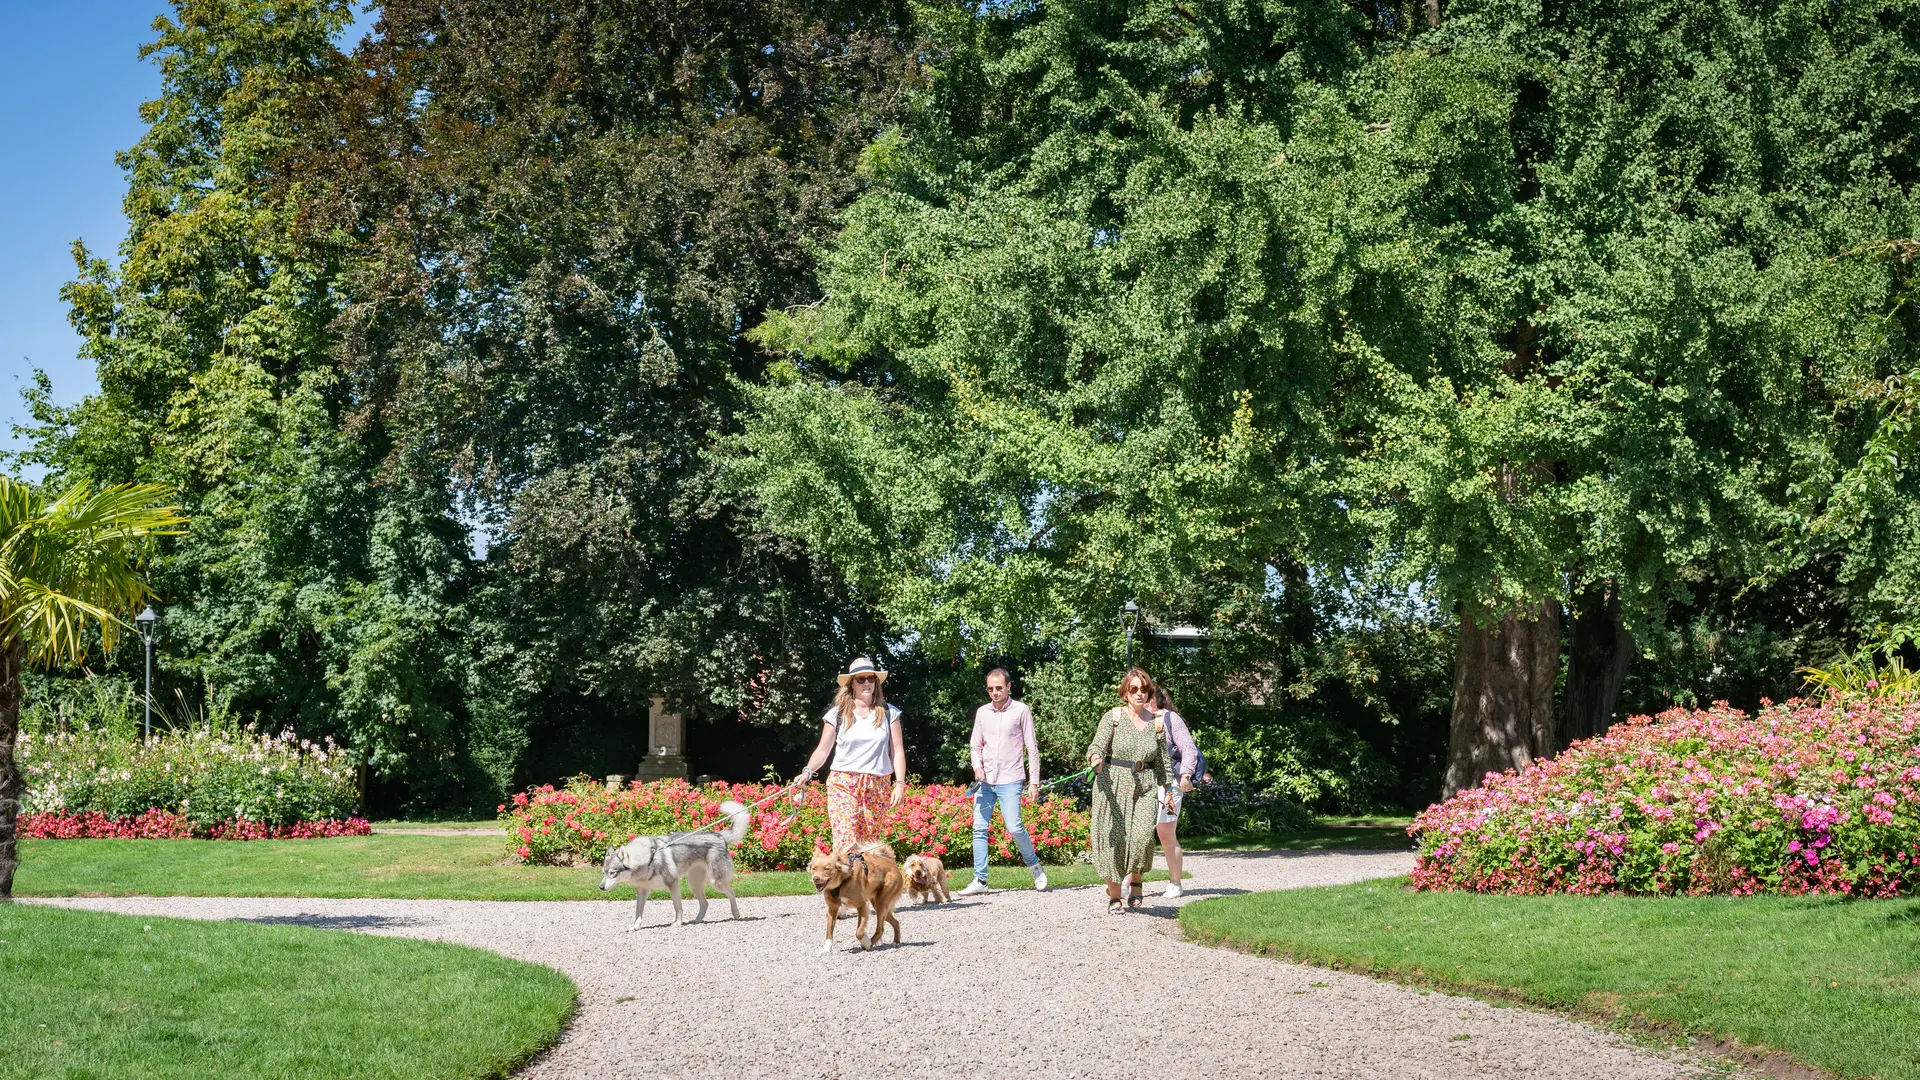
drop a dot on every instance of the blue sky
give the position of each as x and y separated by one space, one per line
73 73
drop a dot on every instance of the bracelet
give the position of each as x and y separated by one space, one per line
899 783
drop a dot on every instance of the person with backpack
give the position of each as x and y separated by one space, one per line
1187 762
1130 784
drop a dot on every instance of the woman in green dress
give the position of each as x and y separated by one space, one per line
1130 776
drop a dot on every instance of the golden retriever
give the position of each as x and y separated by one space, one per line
863 877
926 879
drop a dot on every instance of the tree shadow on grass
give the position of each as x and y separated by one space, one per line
1905 913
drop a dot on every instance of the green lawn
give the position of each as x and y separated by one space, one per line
382 865
94 995
1831 983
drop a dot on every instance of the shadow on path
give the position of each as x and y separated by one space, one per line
337 922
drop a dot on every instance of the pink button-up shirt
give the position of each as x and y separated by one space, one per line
999 737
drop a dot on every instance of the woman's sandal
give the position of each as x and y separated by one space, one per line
1135 898
1114 906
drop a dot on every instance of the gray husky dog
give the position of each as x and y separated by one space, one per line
660 862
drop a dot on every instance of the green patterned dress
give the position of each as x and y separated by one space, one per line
1124 800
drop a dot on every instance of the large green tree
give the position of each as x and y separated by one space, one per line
430 340
310 593
1514 306
1102 337
567 213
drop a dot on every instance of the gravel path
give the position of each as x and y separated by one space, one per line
1014 984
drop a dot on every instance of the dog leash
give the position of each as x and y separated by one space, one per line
1064 779
746 809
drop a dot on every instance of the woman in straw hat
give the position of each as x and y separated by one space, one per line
862 732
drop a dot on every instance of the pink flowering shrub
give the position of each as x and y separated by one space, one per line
583 820
163 825
1806 797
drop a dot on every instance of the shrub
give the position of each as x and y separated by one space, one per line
583 820
1805 797
231 781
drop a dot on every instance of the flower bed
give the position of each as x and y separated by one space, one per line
1805 797
582 821
161 825
231 781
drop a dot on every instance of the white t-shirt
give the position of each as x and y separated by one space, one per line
861 745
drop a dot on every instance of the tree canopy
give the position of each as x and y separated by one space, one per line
524 363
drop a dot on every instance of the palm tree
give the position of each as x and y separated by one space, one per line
66 567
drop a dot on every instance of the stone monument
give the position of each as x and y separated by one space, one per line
666 743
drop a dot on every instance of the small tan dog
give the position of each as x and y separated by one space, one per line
926 879
864 877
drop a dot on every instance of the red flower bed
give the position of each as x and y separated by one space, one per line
162 825
1805 797
583 820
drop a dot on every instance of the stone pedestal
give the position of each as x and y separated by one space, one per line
666 739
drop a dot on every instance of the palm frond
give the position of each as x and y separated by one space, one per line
72 564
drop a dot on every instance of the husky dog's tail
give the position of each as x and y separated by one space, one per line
738 815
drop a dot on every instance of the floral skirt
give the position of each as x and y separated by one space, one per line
856 806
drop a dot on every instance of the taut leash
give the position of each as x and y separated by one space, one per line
744 810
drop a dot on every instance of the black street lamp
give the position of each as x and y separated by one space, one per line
145 621
1129 618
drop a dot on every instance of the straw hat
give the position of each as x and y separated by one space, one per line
861 666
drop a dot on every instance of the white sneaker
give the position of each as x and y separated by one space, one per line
974 888
1173 890
1039 880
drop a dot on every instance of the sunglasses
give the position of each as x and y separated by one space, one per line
866 678
1136 688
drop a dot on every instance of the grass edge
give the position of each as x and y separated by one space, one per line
1771 1061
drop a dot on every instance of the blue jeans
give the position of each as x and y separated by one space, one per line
1008 796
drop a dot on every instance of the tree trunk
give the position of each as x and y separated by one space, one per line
12 787
1599 648
1503 676
1433 14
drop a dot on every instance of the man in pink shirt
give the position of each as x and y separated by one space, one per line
1004 752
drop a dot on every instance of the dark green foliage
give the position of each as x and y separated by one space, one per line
567 212
480 286
1546 301
540 359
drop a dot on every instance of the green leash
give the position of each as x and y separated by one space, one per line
1064 779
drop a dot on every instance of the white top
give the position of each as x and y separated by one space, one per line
863 746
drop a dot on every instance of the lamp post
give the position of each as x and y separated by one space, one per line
1129 618
144 621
